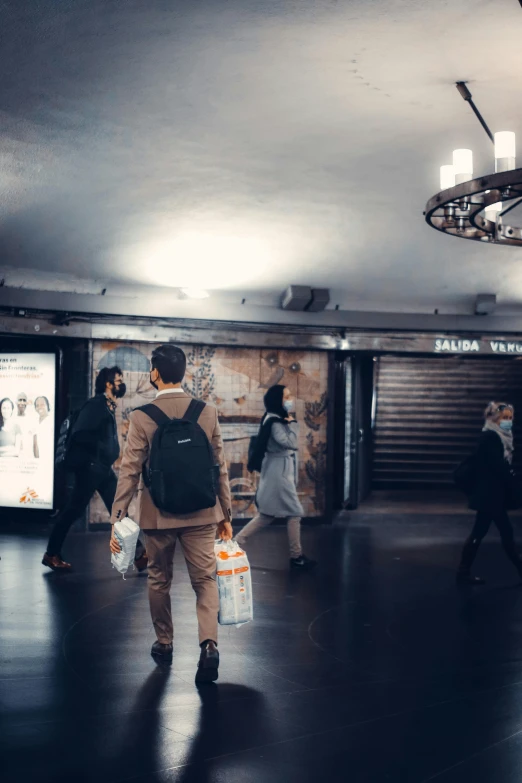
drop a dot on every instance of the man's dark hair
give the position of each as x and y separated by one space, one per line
170 361
105 376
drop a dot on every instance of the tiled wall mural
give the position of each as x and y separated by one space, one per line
235 380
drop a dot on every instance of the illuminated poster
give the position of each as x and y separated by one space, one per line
27 411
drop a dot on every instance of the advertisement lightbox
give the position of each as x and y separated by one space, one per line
27 417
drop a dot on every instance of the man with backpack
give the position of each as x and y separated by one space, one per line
88 449
174 452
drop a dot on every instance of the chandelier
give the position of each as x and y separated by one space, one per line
476 208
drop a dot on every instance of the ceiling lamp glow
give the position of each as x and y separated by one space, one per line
195 293
505 151
477 208
462 165
447 177
205 255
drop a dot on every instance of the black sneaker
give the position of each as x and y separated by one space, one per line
208 665
302 563
162 652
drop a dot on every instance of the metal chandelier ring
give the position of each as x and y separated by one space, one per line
458 210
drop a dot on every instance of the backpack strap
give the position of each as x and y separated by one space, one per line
154 413
157 416
194 411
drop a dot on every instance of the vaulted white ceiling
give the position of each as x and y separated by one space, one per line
243 145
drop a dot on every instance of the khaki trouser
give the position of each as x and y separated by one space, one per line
197 544
293 525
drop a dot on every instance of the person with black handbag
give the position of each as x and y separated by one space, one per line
493 489
274 455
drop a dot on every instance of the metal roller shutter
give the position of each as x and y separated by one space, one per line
429 413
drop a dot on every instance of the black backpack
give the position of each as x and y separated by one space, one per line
62 455
182 477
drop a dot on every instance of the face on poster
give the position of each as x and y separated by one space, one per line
27 415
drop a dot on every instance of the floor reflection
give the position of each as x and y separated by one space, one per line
373 668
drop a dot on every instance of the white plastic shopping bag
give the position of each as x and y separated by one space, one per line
126 532
234 581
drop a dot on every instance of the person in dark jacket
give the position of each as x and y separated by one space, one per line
278 442
491 494
93 449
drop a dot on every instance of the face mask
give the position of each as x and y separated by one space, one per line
152 383
506 425
288 405
120 391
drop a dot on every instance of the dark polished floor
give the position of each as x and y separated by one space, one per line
373 669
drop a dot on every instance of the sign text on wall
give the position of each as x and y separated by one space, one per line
446 345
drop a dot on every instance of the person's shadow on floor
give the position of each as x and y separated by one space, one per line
232 719
139 754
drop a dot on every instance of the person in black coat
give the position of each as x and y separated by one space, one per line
491 492
93 450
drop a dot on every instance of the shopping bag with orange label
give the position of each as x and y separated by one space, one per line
234 581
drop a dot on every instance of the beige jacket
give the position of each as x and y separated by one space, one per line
136 453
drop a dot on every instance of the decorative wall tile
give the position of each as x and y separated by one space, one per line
235 381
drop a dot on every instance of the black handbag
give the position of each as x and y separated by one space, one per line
514 492
465 475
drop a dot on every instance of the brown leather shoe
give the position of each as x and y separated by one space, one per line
142 562
55 563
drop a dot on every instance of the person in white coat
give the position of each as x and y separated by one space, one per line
275 455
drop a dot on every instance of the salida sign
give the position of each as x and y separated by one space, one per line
461 345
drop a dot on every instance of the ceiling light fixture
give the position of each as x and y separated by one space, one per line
195 293
462 165
475 208
505 151
447 177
